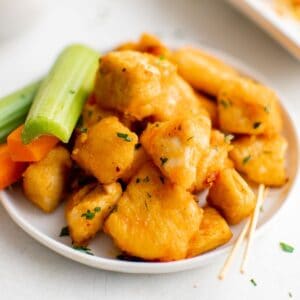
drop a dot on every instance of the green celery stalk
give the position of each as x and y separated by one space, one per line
58 103
14 108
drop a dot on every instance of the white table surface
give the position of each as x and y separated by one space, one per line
28 270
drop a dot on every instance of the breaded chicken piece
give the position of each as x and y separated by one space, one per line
211 107
131 82
106 150
177 146
45 181
142 85
148 43
261 158
87 209
179 100
154 219
232 196
213 232
247 107
139 159
203 71
93 113
214 160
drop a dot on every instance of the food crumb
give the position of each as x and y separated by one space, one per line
75 151
83 137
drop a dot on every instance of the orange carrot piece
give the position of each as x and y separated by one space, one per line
10 171
31 152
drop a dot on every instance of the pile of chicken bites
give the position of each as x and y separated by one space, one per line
160 127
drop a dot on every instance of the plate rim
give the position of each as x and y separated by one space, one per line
272 25
161 267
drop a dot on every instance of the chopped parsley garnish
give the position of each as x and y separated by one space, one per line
163 160
64 231
190 138
137 146
124 136
246 159
253 282
83 130
286 248
228 137
89 215
225 103
162 57
162 179
72 92
256 124
290 295
83 249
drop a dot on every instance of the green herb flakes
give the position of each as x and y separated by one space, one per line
286 248
163 160
290 295
191 137
83 249
225 103
64 231
246 159
253 282
89 215
256 125
124 136
72 92
83 130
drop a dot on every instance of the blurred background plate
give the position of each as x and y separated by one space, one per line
276 19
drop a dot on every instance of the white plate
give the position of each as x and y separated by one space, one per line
46 228
282 27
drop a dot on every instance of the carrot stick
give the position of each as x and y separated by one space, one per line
31 152
10 171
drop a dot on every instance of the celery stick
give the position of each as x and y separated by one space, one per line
58 103
14 108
